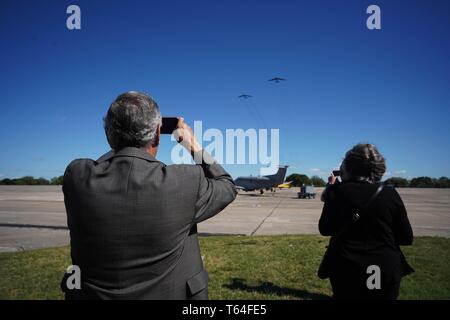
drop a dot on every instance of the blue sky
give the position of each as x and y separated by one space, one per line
345 84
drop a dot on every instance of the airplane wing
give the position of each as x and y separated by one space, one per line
277 79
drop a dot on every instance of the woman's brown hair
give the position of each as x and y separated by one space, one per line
365 161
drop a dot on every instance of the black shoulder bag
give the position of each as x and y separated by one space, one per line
324 271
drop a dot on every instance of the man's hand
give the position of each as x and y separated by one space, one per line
184 135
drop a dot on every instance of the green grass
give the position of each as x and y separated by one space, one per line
269 267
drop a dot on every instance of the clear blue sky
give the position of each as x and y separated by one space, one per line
345 84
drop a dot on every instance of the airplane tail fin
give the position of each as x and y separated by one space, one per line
278 177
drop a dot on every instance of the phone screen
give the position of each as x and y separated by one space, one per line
169 124
336 173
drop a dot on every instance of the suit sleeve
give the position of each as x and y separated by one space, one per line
401 226
216 189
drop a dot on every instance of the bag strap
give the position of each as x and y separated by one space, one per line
350 222
376 193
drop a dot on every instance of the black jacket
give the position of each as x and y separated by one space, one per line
132 224
375 238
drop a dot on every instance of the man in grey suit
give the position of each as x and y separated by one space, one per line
133 219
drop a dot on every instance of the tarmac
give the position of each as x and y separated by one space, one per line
34 217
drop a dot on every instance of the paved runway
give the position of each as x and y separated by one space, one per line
34 216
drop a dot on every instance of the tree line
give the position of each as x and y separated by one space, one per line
419 182
296 178
302 179
398 182
29 180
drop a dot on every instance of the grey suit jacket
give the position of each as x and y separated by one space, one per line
133 225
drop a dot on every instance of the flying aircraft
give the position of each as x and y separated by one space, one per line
245 96
261 183
276 79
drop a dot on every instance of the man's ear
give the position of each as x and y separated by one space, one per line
158 135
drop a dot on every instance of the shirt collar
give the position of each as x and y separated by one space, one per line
127 152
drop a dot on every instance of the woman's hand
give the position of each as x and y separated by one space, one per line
332 179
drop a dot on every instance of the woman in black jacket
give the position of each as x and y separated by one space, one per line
366 228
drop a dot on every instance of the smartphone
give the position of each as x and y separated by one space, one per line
337 173
169 124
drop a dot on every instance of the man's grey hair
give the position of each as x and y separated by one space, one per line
132 121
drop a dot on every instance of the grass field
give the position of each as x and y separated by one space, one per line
266 267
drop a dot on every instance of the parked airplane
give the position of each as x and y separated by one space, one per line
261 183
285 185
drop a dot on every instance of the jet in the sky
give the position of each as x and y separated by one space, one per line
277 79
261 183
245 96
